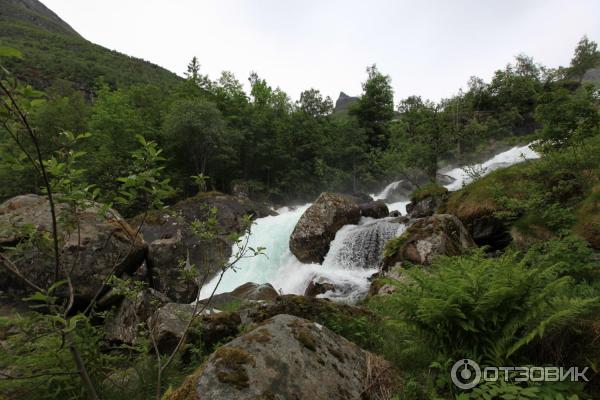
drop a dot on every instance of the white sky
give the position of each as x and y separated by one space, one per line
429 48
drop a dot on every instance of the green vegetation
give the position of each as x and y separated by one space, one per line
55 52
509 310
533 303
280 149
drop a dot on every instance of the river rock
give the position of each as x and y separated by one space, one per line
319 286
168 324
374 209
131 315
174 247
424 207
318 225
248 292
426 238
288 358
104 244
255 291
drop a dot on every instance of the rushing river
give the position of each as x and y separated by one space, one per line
354 253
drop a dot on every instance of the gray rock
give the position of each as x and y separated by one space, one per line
319 286
131 316
169 323
255 291
318 225
173 243
374 209
103 243
426 238
425 207
289 358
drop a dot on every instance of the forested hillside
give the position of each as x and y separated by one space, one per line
55 52
282 149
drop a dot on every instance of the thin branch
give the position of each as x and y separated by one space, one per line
15 270
38 151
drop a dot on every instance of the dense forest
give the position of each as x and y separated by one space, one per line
286 150
120 182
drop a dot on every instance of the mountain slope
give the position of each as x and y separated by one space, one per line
53 50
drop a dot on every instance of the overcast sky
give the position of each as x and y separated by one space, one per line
429 48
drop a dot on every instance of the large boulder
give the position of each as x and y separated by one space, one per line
288 358
94 245
174 246
426 238
318 225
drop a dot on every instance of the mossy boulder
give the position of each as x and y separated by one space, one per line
426 200
93 246
426 238
479 204
289 358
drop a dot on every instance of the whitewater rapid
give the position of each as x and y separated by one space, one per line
353 255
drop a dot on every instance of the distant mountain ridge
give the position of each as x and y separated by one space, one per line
344 102
35 13
53 50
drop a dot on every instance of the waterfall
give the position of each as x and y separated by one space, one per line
386 191
510 157
354 253
360 246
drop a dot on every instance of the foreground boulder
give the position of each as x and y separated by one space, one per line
101 244
426 238
173 245
288 358
318 225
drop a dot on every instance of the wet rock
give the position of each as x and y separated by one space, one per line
254 291
426 238
288 358
374 209
318 225
316 288
103 243
249 291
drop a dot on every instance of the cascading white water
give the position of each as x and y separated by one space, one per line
353 255
510 157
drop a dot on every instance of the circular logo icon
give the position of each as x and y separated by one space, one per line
465 374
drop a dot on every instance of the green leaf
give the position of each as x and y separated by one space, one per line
10 52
